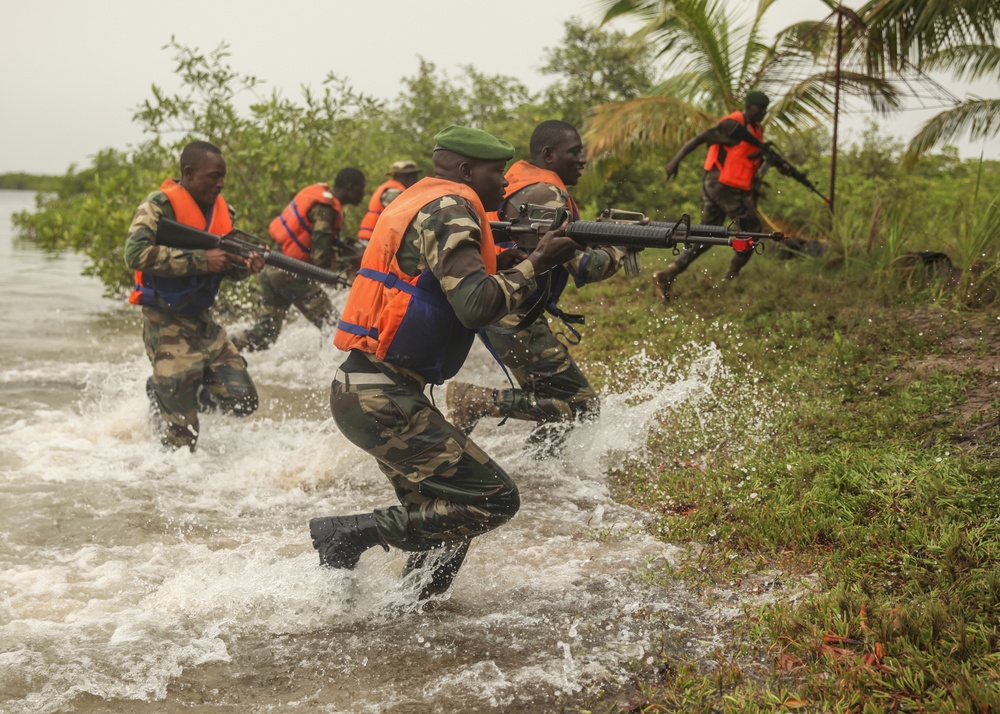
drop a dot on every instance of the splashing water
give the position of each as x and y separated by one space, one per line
131 576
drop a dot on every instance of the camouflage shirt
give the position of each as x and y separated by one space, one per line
444 238
587 266
388 195
322 218
142 252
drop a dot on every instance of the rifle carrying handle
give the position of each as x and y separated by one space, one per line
174 234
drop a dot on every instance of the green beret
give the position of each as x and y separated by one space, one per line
474 143
757 99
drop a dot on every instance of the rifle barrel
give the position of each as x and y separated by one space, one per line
659 234
631 235
179 235
300 267
698 231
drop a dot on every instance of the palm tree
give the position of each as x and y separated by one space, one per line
714 60
957 36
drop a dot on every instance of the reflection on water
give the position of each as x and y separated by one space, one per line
133 579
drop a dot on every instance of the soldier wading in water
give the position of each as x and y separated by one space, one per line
429 280
195 364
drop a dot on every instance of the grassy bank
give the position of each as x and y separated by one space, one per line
866 512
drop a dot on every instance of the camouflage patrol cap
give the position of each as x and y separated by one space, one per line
474 143
403 167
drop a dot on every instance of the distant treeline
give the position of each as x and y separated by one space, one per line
943 204
30 182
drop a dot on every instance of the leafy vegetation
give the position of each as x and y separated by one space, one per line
860 505
275 145
955 37
852 507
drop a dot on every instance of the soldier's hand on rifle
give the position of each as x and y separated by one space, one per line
554 248
784 168
218 260
509 258
255 263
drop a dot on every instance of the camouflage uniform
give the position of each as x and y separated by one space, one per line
552 390
280 290
721 204
388 195
448 487
195 365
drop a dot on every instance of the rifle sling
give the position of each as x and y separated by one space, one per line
533 313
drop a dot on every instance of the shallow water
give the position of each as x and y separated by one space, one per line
137 580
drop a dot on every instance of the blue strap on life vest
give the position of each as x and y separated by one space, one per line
485 338
288 229
392 281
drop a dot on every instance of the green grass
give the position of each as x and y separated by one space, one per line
826 460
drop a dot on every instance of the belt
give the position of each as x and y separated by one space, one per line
370 378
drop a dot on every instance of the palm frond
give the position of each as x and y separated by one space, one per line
882 94
691 88
649 122
977 118
914 29
969 62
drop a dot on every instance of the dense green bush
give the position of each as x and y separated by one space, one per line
275 145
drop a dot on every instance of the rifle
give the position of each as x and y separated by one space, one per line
771 157
625 229
178 235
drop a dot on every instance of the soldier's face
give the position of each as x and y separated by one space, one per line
206 180
487 180
406 179
567 159
354 194
754 113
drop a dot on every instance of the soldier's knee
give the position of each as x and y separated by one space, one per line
175 395
586 402
262 337
233 391
505 505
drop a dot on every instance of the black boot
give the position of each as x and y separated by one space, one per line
447 561
341 540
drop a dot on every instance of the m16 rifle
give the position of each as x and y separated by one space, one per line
771 158
178 235
624 229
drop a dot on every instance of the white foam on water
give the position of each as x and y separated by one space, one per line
126 569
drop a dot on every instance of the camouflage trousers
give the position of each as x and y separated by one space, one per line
448 488
279 291
721 204
552 387
194 365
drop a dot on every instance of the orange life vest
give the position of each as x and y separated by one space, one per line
736 168
189 293
523 174
375 209
519 176
292 229
406 319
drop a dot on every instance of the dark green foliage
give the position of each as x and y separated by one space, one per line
28 182
275 145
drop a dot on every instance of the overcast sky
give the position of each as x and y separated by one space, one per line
73 71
